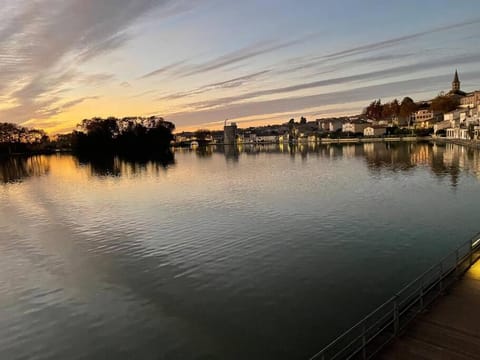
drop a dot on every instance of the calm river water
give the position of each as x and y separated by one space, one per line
253 253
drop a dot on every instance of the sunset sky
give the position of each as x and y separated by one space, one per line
199 62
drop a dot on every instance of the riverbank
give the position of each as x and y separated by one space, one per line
30 153
475 144
353 140
373 139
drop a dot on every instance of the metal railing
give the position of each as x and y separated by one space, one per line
369 336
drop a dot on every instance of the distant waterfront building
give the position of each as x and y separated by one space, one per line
456 92
458 133
425 117
266 139
442 125
456 83
375 130
355 127
230 133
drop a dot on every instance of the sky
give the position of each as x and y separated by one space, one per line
199 62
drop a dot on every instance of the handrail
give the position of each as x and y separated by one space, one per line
398 312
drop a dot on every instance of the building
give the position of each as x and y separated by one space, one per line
458 133
335 125
230 133
425 117
266 139
471 100
355 127
442 125
456 83
375 130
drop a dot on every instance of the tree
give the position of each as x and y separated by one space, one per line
471 131
391 109
407 107
303 120
444 103
127 136
202 134
374 110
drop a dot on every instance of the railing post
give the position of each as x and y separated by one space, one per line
456 264
396 316
421 295
440 268
364 342
471 252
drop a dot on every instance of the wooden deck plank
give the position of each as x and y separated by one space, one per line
449 330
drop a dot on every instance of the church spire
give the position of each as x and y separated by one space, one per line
456 82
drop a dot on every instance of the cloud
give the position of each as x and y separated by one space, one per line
72 103
292 104
227 84
182 69
43 42
395 41
303 63
245 53
369 76
164 69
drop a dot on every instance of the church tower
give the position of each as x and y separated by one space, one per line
456 83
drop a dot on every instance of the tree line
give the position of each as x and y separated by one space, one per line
378 111
126 136
139 136
18 139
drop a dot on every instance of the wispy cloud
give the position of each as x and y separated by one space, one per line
183 69
43 42
395 41
298 103
305 63
243 54
227 84
164 69
369 76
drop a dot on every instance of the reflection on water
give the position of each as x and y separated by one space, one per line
14 169
116 166
246 252
442 159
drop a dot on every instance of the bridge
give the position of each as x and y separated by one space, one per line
420 322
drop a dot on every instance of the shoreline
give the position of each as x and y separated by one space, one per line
475 144
327 141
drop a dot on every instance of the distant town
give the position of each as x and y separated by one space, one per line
453 115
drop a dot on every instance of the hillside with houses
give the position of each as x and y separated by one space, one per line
450 115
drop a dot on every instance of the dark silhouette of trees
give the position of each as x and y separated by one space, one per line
303 120
203 136
18 139
407 107
391 109
378 111
444 103
374 110
128 136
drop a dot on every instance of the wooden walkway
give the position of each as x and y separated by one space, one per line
450 329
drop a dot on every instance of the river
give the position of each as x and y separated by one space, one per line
262 252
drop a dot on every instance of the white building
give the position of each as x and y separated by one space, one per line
335 125
375 131
266 139
445 124
354 127
458 133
